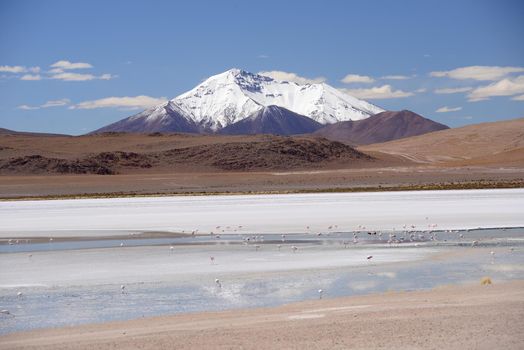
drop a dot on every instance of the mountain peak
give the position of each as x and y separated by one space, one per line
237 72
235 94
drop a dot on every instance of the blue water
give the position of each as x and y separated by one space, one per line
455 262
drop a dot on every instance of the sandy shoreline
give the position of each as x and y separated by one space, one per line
451 317
27 187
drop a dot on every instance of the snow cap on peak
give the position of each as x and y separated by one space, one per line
236 71
233 95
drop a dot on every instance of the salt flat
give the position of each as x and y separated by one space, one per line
291 213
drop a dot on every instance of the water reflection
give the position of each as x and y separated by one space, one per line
454 259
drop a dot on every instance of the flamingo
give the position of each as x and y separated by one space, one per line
320 291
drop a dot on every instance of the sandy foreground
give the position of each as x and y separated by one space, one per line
451 317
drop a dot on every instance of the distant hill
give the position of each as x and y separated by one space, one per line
478 144
272 120
381 127
112 153
12 132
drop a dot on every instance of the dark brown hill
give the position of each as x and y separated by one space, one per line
173 153
273 120
381 127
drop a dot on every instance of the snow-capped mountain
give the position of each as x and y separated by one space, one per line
229 97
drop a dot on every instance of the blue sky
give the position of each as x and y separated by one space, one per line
67 66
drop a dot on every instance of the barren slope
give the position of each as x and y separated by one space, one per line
480 144
125 153
381 127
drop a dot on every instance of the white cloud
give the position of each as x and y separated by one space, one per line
68 76
447 109
56 103
106 76
55 71
13 69
27 108
136 102
48 104
478 72
355 78
395 77
59 71
518 98
31 77
504 87
453 90
63 64
287 76
378 92
421 90
19 69
73 76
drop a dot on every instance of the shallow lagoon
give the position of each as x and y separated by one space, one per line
73 282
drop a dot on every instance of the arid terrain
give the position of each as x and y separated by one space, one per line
490 144
473 316
482 155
